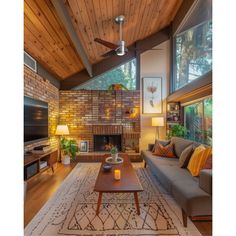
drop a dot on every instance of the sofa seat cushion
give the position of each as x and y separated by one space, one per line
191 197
180 144
175 173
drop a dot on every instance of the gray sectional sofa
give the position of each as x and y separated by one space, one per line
193 194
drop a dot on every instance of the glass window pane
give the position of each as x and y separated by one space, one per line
193 116
124 74
198 121
208 121
193 54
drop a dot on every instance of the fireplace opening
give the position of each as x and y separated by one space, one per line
103 143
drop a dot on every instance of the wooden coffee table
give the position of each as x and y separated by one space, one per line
129 181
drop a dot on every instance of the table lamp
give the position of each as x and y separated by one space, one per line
61 131
157 122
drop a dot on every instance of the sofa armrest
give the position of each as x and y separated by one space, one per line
205 180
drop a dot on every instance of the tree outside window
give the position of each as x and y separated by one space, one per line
124 74
198 121
193 54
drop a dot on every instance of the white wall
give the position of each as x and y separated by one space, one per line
154 63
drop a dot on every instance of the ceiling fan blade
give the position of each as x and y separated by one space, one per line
106 43
108 54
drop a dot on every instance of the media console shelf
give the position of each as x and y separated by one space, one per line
32 163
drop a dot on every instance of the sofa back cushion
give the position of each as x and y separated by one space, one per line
180 144
164 151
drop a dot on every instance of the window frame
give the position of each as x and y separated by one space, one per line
174 61
137 72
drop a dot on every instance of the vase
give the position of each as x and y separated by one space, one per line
114 157
66 160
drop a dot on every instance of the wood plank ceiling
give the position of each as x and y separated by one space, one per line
47 41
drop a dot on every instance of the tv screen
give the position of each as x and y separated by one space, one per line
35 120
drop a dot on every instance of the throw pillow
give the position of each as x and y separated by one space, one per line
208 164
198 159
185 156
164 151
162 142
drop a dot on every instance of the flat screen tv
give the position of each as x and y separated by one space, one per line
35 120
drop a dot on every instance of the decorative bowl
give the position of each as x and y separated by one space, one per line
107 167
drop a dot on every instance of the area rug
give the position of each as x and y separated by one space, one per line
72 210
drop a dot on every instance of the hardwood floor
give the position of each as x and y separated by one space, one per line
42 187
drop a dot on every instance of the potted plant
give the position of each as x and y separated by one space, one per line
114 153
69 148
177 131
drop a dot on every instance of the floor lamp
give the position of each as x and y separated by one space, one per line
157 122
61 131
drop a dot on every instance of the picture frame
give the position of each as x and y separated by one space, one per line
152 95
84 146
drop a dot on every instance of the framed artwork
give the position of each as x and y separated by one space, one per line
152 95
84 146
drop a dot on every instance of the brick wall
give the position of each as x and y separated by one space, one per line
86 112
89 112
39 88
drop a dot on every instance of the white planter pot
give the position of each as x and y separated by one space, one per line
114 157
66 160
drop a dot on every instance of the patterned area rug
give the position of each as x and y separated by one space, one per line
72 210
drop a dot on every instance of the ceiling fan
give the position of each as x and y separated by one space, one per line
119 48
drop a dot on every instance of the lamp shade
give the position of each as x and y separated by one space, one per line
62 130
157 121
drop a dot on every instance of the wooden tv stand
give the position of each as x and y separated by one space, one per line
32 163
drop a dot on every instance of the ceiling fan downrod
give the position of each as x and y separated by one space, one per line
120 51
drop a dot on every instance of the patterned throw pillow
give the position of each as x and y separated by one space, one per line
162 142
185 156
198 159
164 151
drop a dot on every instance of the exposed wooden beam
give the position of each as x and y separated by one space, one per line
196 89
66 20
153 40
182 15
201 12
114 61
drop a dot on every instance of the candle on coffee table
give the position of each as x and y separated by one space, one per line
117 174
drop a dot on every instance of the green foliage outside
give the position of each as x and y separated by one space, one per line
198 121
124 74
69 147
193 54
177 131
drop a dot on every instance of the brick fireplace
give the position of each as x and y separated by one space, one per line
104 142
92 113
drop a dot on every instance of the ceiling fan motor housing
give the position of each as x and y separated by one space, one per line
120 51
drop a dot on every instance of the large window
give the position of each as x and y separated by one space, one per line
124 74
198 121
193 54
